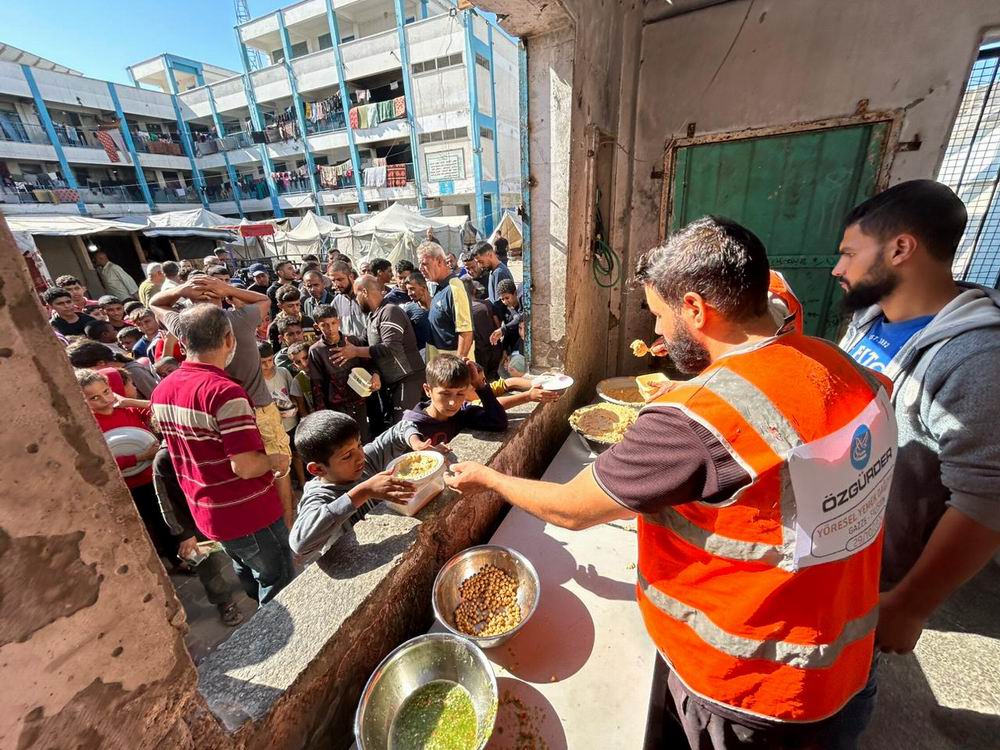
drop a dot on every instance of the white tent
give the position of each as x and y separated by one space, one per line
396 232
66 226
313 234
196 222
513 230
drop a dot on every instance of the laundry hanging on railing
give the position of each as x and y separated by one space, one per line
372 115
337 176
114 146
396 175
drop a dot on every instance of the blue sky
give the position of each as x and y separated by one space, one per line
101 38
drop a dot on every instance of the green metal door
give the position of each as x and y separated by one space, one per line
793 191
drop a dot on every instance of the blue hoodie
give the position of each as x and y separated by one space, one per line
490 417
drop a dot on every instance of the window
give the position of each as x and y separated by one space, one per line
300 49
321 161
451 134
486 133
448 61
325 41
277 56
482 61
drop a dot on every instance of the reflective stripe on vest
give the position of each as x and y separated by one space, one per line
758 411
800 655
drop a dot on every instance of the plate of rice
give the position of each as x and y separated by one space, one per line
602 425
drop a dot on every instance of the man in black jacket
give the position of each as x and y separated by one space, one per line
392 346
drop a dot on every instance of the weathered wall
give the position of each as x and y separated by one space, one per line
755 64
91 634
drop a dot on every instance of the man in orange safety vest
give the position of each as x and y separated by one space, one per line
760 487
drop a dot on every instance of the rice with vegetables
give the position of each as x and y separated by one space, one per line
416 467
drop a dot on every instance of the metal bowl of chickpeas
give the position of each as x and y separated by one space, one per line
486 594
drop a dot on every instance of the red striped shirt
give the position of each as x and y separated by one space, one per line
206 418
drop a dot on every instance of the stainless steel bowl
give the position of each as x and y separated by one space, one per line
468 562
435 656
619 383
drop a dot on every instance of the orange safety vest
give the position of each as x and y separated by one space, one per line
723 596
781 296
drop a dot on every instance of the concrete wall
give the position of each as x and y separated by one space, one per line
91 639
733 66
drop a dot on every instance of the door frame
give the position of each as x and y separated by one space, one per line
893 117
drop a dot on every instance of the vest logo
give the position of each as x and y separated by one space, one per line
861 447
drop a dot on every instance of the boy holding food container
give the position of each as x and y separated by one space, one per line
347 476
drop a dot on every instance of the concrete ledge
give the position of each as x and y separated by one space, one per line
292 675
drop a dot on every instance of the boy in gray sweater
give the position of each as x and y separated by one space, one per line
346 476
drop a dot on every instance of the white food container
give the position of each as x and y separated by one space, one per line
360 381
427 488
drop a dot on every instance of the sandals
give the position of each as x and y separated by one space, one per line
230 614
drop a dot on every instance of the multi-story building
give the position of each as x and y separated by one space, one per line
342 108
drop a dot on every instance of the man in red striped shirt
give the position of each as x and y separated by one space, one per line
218 454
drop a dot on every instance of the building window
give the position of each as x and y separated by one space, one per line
448 61
482 61
277 56
486 133
325 41
300 49
451 134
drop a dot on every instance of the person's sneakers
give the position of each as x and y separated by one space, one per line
230 614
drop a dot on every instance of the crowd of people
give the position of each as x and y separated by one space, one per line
245 392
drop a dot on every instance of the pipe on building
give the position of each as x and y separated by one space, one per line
404 53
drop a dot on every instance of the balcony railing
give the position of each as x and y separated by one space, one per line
154 143
174 194
14 131
78 137
372 115
332 121
125 193
291 182
228 143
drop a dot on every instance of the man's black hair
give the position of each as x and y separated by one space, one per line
320 434
322 312
53 293
404 265
128 331
482 248
170 268
264 349
927 209
507 286
447 371
417 278
379 265
310 258
283 263
283 323
108 299
67 280
717 258
287 293
87 353
132 305
94 328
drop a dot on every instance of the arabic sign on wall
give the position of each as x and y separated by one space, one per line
445 165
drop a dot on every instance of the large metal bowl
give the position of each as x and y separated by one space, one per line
619 383
435 656
468 562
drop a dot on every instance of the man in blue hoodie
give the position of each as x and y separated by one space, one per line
938 340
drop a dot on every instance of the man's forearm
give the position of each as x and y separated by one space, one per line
464 343
958 549
578 504
246 296
165 300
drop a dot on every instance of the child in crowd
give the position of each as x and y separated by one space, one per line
131 307
509 310
289 332
165 365
145 321
284 389
298 356
102 331
77 292
113 401
447 411
115 310
329 379
65 319
128 339
347 476
289 302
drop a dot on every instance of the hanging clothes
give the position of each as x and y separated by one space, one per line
399 106
110 148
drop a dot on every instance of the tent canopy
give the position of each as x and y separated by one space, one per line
398 218
66 226
314 227
513 232
196 222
